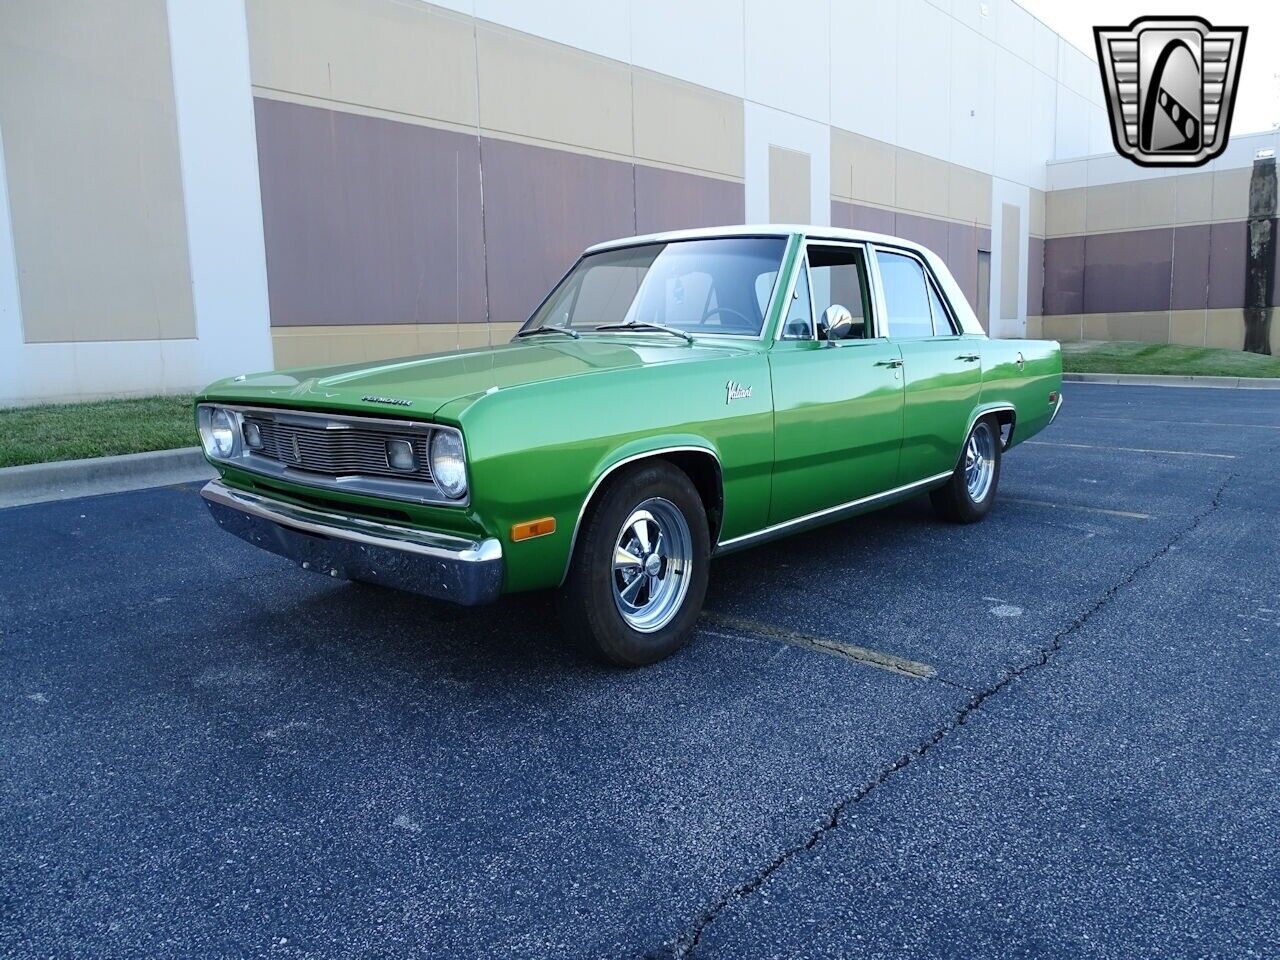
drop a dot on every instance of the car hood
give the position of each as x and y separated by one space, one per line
422 385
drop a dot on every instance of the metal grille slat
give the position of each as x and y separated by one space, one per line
351 451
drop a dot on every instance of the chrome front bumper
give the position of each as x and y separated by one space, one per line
434 564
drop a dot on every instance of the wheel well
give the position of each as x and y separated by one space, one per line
704 470
1006 419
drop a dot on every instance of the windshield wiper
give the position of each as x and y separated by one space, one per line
644 325
550 328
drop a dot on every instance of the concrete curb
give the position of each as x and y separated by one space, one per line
64 479
1152 380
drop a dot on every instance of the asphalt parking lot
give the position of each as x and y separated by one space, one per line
1052 733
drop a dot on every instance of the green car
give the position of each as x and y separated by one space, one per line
674 398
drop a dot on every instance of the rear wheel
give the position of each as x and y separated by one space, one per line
639 571
969 493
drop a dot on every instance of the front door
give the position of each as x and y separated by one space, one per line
942 370
837 402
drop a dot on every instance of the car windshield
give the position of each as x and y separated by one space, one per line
716 286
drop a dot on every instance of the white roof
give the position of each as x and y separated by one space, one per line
760 230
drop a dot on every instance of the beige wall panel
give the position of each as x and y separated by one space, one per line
1035 212
547 91
1154 201
1193 198
686 125
1148 327
1224 328
1061 327
1187 327
923 184
1064 212
1111 206
1034 328
406 57
1231 194
969 196
311 346
94 182
789 179
1010 259
862 169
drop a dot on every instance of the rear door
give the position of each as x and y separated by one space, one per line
837 403
942 371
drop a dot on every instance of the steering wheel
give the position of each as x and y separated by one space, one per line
746 321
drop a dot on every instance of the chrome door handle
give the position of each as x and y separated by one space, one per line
969 357
895 362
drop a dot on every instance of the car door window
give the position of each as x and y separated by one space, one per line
799 322
838 275
906 296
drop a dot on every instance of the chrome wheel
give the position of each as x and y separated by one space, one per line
651 565
980 461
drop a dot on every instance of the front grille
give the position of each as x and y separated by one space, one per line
338 452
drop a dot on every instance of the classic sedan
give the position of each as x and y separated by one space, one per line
675 397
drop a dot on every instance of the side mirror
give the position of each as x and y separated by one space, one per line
836 323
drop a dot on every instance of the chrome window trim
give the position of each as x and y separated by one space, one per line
383 488
648 454
932 283
829 513
872 292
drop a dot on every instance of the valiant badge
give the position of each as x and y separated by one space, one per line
1171 85
733 390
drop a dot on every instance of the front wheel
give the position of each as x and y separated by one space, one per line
639 571
969 493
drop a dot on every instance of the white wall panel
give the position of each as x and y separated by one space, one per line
1073 125
700 42
973 70
1002 192
217 144
1044 52
864 82
1015 101
599 26
1015 28
787 56
924 74
765 126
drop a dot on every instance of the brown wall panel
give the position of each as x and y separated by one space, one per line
368 221
1035 276
1228 254
670 200
1063 275
541 208
961 255
1128 271
1190 267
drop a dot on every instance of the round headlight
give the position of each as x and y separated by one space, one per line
448 466
222 433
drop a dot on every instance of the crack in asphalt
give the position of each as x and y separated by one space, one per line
684 944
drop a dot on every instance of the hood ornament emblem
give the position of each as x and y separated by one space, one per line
394 401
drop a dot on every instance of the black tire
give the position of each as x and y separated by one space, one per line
588 606
954 501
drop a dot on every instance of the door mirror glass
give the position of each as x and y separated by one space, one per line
836 323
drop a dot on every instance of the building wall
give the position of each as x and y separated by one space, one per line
283 182
130 259
1136 254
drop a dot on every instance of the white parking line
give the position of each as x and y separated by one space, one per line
1128 515
1091 446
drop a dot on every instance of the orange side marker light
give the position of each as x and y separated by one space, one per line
533 528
